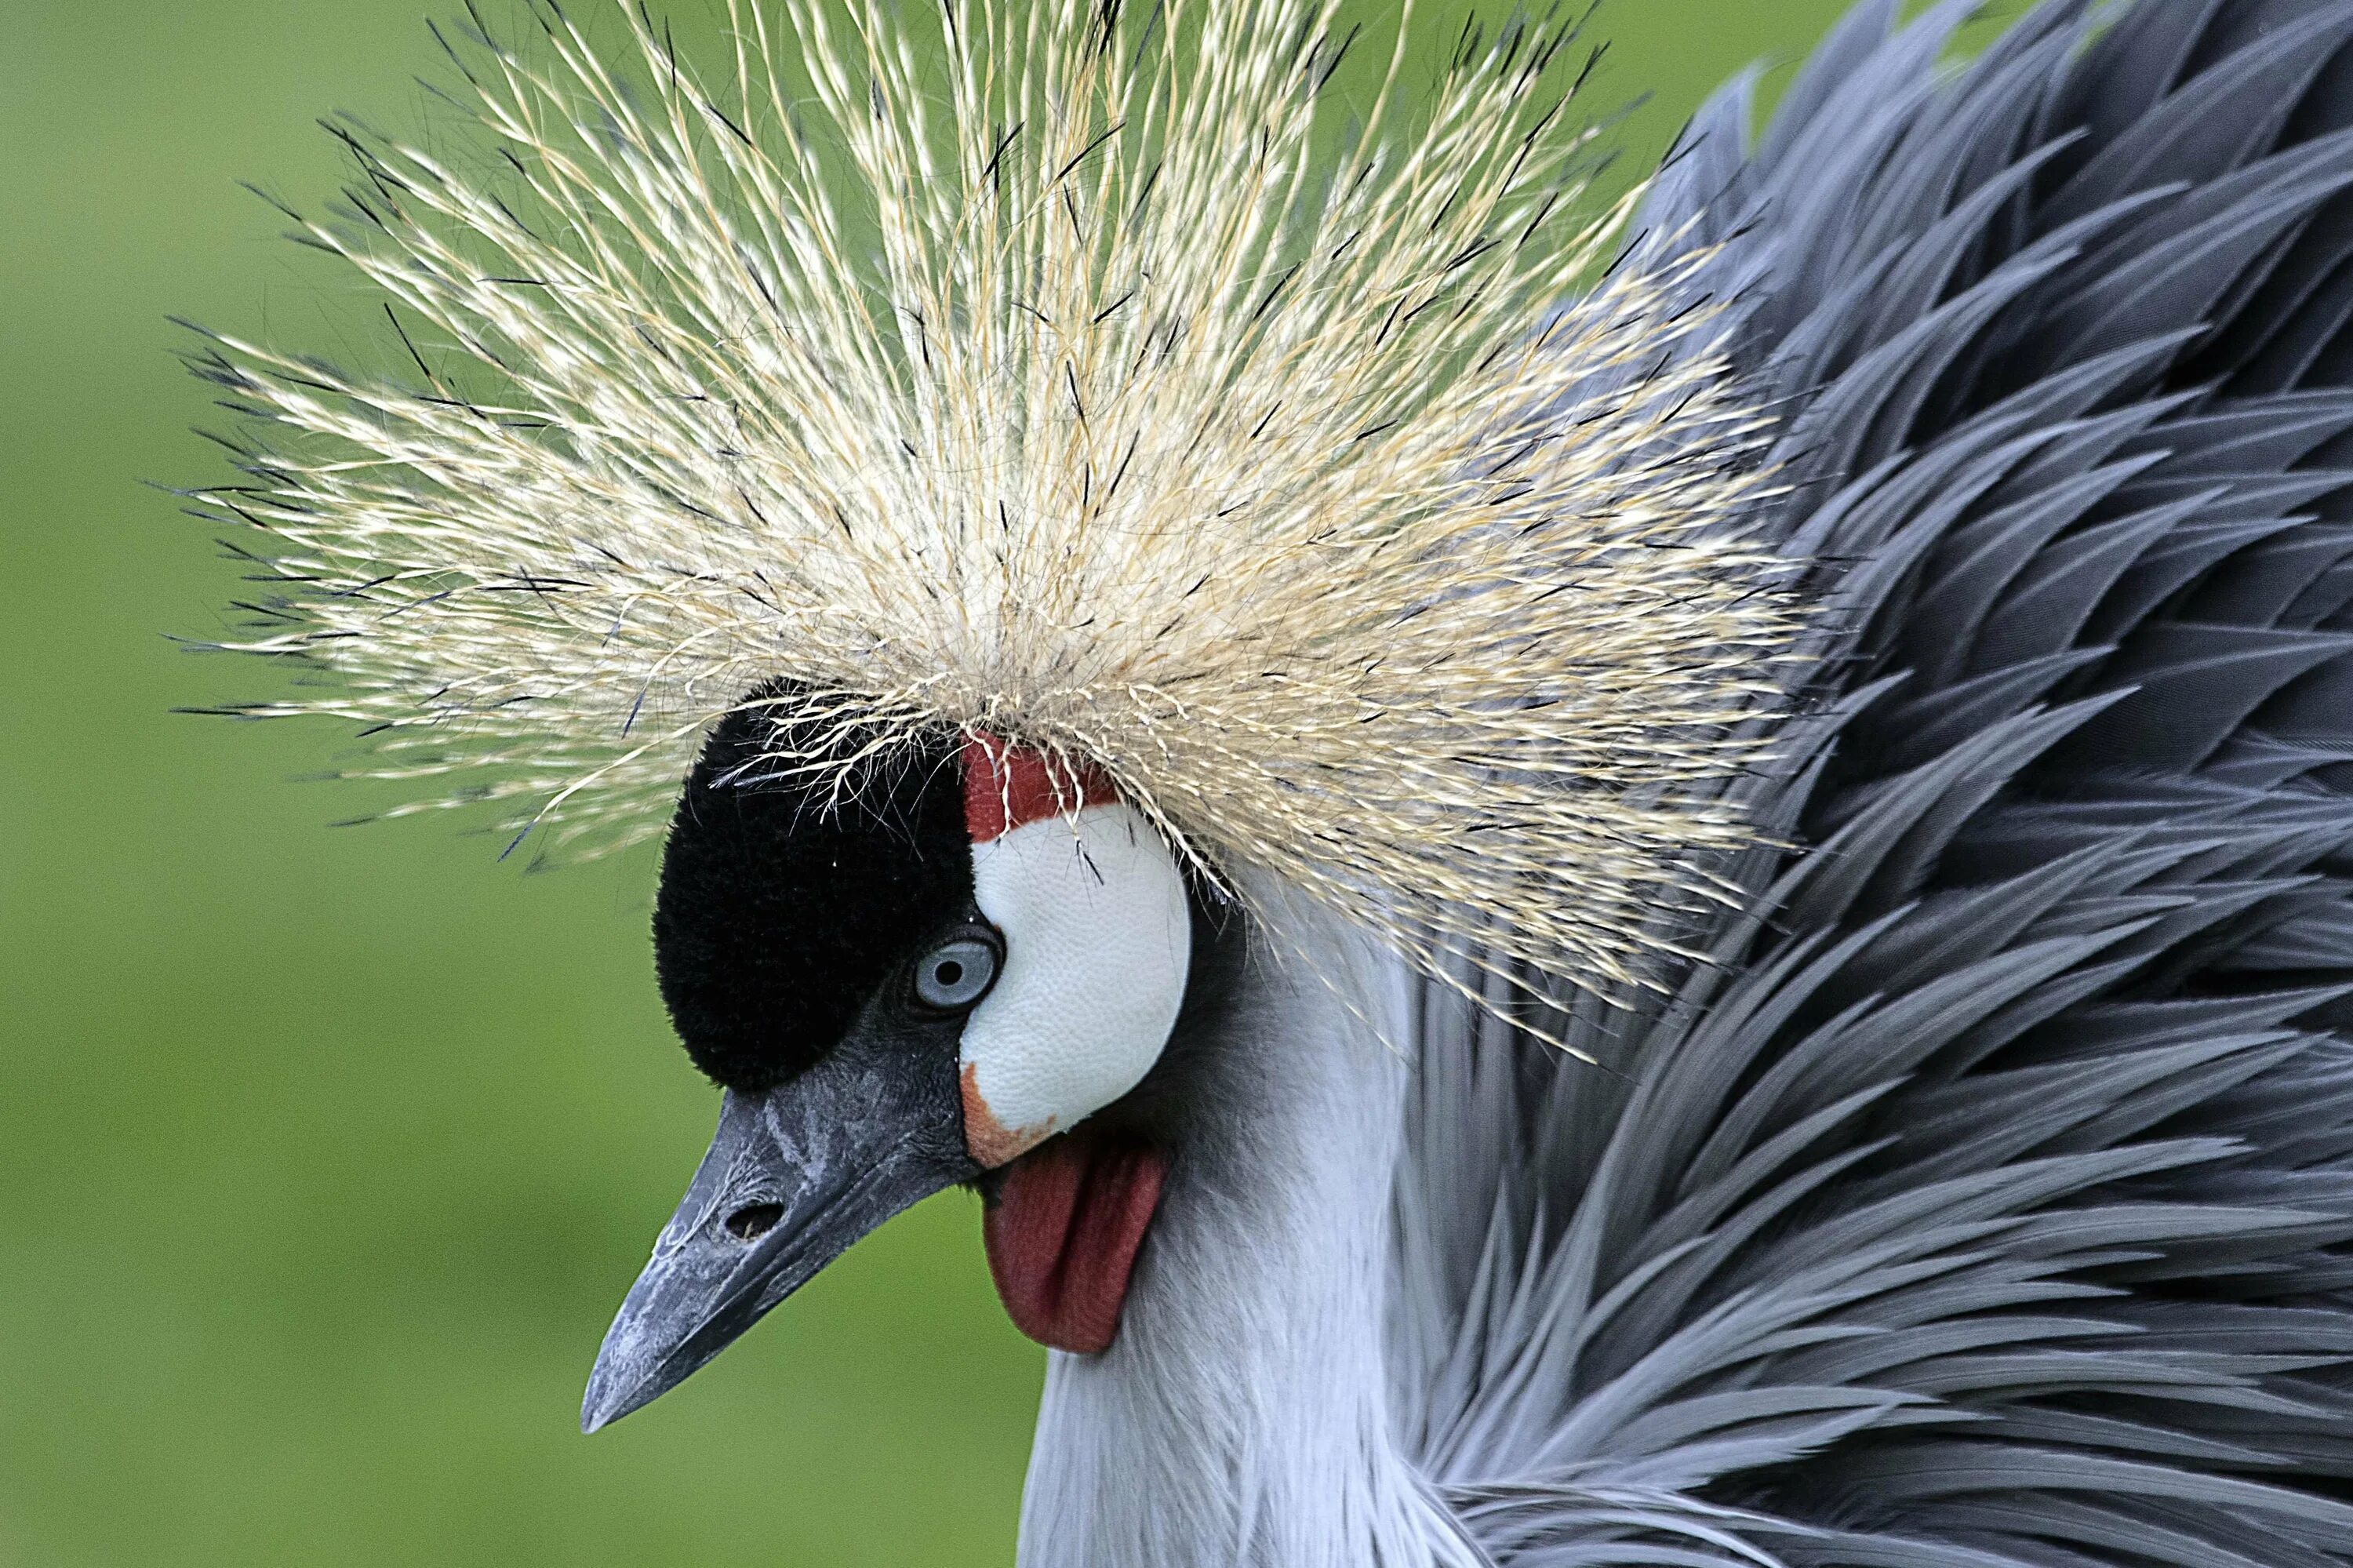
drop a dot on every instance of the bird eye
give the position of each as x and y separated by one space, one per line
957 974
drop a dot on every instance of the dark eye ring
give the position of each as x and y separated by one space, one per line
954 975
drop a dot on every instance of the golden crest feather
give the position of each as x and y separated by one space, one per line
1083 379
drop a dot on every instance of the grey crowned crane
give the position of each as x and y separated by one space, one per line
1666 886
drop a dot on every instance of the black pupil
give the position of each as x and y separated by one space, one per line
949 973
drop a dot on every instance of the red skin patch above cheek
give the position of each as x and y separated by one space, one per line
1063 1234
1005 786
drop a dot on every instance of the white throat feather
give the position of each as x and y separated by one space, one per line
1243 1414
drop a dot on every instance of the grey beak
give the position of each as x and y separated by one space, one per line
794 1176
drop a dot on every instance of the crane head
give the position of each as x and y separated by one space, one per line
1337 490
932 979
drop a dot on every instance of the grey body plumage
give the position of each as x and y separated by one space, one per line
1984 1199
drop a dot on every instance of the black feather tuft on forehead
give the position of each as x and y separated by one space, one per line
781 910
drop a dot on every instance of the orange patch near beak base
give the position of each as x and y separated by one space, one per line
989 1141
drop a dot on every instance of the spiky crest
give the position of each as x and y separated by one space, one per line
1072 379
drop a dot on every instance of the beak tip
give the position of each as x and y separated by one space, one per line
608 1399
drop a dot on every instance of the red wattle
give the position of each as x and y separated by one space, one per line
1062 1236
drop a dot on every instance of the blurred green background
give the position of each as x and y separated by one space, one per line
325 1155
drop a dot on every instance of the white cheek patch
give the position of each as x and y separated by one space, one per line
1098 938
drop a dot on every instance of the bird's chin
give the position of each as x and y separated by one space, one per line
1063 1225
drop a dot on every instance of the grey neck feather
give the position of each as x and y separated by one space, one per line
1242 1417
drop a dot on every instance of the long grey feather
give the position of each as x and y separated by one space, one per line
1985 1198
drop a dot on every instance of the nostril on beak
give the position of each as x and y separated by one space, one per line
754 1220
